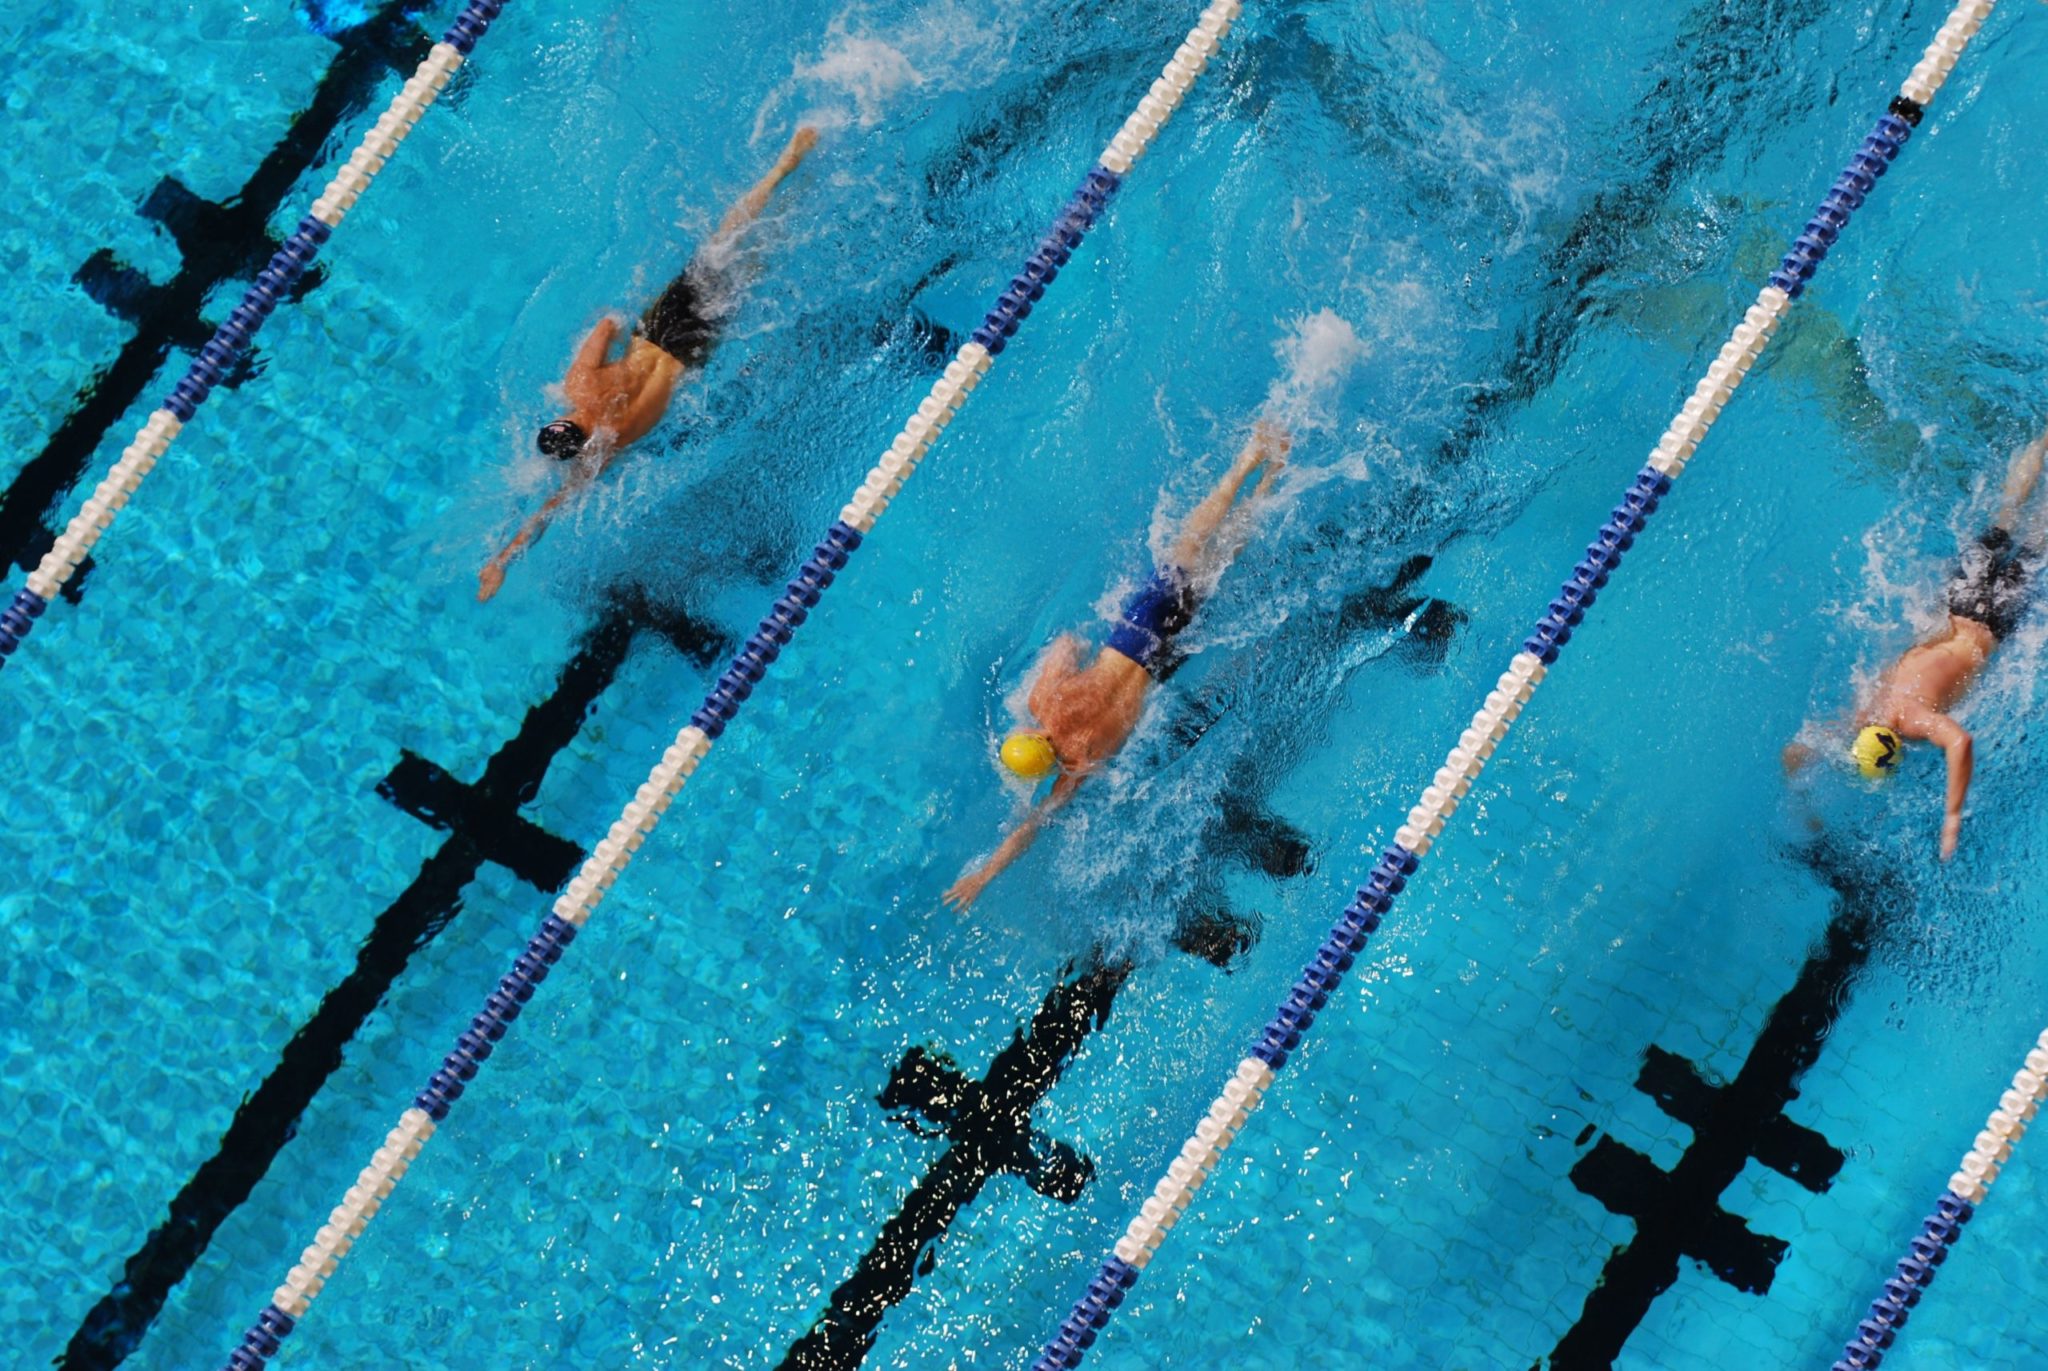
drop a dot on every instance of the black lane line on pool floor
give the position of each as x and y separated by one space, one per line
483 823
1678 1213
218 242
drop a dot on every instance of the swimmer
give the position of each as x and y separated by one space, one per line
615 402
1986 598
1085 713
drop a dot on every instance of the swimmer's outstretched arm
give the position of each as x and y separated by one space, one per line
1954 740
492 578
965 891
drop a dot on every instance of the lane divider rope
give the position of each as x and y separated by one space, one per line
1232 1108
233 337
388 1165
1879 1328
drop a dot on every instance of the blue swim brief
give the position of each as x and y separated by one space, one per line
1153 615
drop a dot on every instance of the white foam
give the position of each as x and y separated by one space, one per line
1316 354
868 70
864 73
1515 149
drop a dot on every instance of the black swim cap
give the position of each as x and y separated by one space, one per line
562 439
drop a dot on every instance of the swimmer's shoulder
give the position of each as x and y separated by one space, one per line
645 355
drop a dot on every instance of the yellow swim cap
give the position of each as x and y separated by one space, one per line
1030 755
1876 751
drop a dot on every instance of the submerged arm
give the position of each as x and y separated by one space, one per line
965 891
1954 740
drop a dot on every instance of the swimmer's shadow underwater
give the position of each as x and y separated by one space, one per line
1243 830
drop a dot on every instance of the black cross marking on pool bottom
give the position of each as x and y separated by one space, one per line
987 1127
988 1132
481 821
218 242
1678 1213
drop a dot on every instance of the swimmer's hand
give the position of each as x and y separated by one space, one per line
490 581
1273 440
965 891
1951 831
968 888
1796 757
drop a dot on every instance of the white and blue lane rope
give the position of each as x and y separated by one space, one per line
387 1166
1241 1094
233 337
1879 1328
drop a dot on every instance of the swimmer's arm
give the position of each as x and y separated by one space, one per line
589 388
590 354
1953 739
965 891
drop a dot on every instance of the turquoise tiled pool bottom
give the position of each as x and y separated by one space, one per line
1659 1062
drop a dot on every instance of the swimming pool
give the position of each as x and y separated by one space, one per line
1533 223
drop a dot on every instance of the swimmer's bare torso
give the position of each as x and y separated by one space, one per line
1916 694
1088 712
621 399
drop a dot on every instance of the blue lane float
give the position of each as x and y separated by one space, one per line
233 338
1283 1033
749 666
1879 1327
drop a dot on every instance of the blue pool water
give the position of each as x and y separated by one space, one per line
1477 254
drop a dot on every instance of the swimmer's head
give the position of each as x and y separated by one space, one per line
562 440
1876 751
1030 755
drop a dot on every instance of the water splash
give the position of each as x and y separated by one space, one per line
863 73
1317 354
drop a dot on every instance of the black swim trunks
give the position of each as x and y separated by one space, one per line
679 324
1153 616
1991 583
